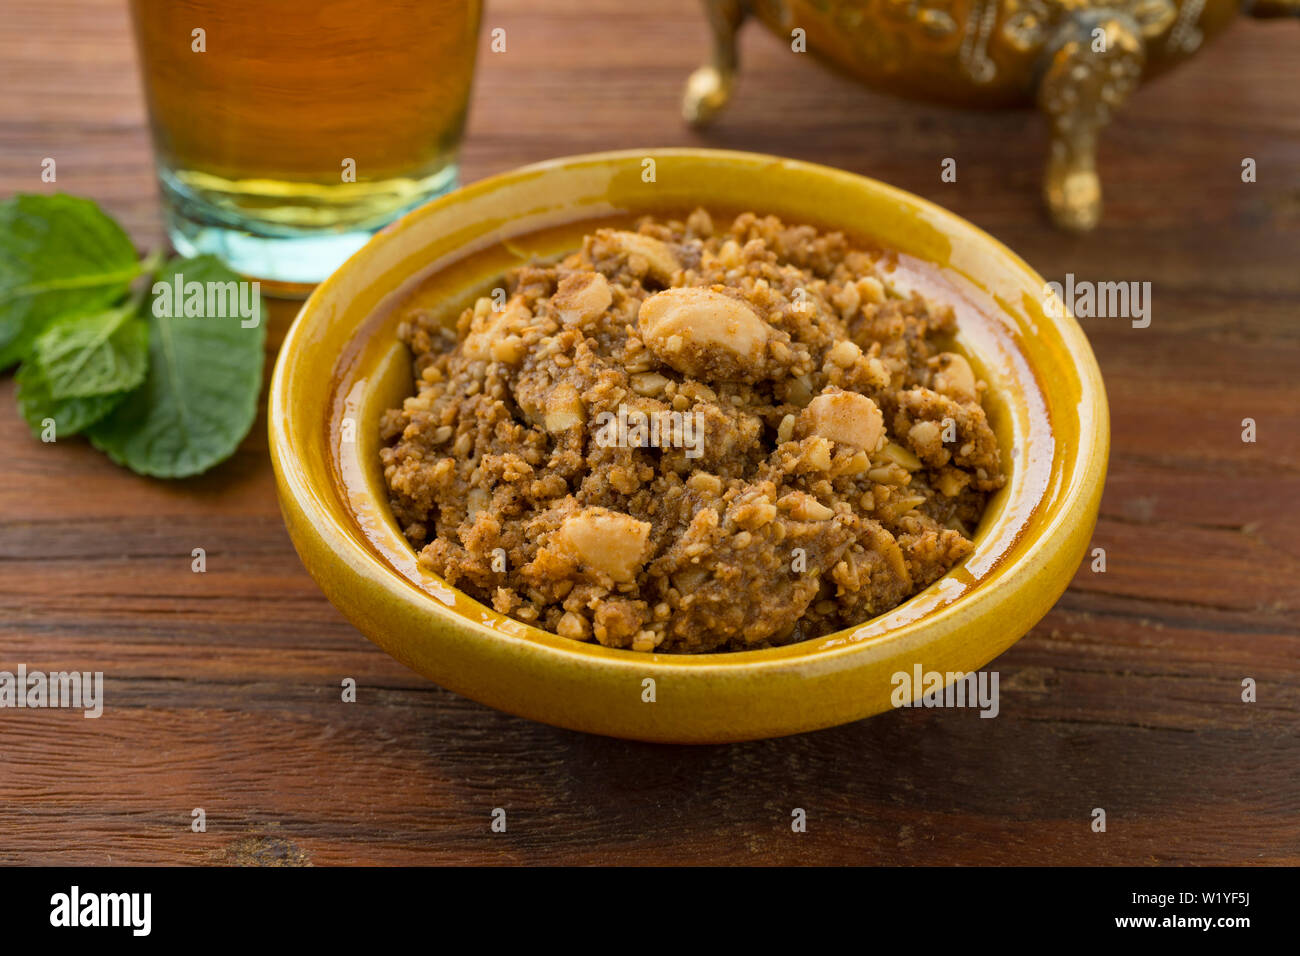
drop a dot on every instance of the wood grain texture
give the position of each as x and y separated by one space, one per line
222 688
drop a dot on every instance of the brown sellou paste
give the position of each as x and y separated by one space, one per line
692 438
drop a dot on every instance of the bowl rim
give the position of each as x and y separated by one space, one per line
811 657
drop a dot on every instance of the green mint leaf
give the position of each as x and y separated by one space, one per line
57 254
199 398
69 416
94 354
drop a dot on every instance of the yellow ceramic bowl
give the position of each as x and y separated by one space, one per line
341 366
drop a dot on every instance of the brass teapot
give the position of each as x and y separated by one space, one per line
1078 60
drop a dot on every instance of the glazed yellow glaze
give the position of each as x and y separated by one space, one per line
340 366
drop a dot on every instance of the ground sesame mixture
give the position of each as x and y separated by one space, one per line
694 436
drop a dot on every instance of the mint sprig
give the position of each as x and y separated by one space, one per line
57 254
166 392
46 415
97 353
200 396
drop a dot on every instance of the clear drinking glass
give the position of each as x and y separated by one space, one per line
287 131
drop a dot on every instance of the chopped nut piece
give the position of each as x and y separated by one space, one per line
573 626
901 456
927 438
649 384
885 475
509 350
951 481
704 334
804 507
581 297
705 483
844 353
755 515
871 289
609 542
646 641
819 454
477 500
800 391
661 259
489 329
785 431
729 254
564 409
845 417
856 465
954 378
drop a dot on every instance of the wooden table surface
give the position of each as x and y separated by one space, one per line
222 689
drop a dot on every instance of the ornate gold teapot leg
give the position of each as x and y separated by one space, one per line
709 87
1089 69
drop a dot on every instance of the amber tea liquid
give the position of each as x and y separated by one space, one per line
287 131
